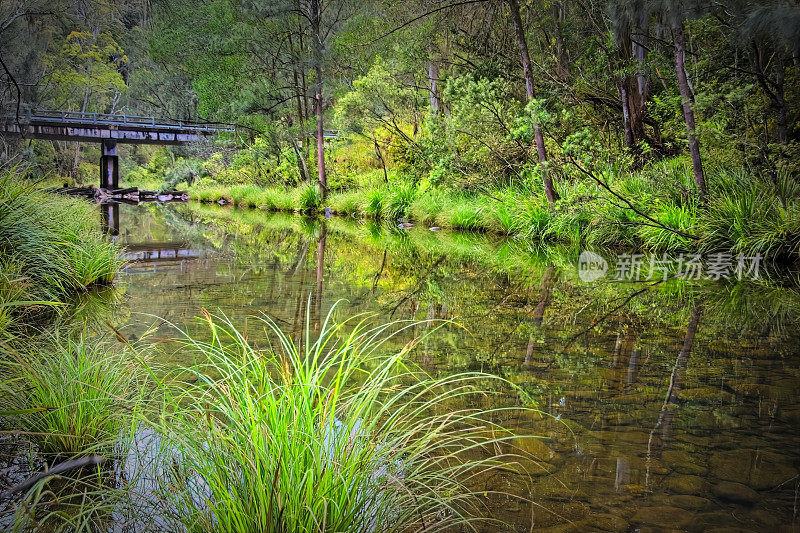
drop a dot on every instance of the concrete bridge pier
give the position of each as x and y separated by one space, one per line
109 166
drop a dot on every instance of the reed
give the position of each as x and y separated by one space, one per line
309 199
328 435
70 396
52 248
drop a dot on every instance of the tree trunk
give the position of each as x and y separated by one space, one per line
676 380
382 160
688 112
296 80
323 239
548 280
301 162
630 143
527 72
433 76
316 36
562 61
642 92
783 130
85 103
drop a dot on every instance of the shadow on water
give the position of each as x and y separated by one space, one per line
674 404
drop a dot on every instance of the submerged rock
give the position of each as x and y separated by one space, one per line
767 518
705 395
729 530
606 522
663 516
686 484
686 501
535 447
682 462
707 521
730 491
760 470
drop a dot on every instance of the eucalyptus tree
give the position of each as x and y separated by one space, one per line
527 72
631 27
632 18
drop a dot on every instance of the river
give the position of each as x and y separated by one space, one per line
669 405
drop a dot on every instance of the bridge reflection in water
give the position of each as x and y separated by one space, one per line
147 257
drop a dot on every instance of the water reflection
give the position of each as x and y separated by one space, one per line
110 218
668 402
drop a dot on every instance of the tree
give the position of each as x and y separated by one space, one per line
631 27
86 64
527 72
376 105
315 16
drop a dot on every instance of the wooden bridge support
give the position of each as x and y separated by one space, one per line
109 166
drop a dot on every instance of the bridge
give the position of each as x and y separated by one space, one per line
107 129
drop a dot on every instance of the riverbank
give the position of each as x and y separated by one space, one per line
53 251
650 211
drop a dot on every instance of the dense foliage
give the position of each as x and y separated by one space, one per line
640 109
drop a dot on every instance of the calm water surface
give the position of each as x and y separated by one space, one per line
674 408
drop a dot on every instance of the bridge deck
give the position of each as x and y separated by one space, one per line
99 127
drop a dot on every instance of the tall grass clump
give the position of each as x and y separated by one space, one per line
678 217
208 194
346 203
463 213
374 205
332 434
533 221
746 217
275 199
309 199
54 243
502 219
14 293
400 199
427 206
247 196
70 396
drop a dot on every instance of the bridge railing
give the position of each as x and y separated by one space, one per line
47 115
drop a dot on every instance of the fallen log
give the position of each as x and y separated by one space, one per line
89 460
121 192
